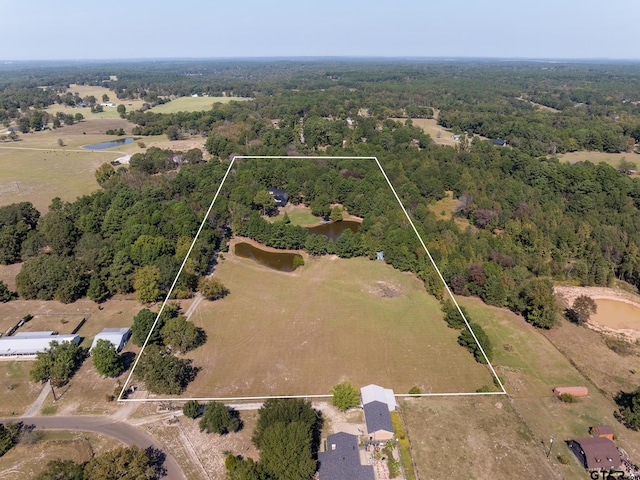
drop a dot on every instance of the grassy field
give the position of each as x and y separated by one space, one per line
16 391
27 461
443 209
329 321
96 91
532 366
298 214
193 104
612 159
37 169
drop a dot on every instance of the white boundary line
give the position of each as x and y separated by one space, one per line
204 220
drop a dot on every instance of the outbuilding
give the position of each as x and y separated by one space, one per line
29 344
117 336
378 420
376 393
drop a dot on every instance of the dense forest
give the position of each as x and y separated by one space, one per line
524 219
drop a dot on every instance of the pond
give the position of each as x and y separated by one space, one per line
109 144
617 315
281 261
333 230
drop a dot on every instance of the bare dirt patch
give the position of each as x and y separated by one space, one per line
616 327
382 289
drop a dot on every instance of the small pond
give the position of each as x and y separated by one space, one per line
109 144
333 230
281 261
617 315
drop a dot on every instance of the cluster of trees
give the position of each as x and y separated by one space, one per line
9 433
123 462
58 363
106 359
215 417
455 320
159 367
288 436
629 412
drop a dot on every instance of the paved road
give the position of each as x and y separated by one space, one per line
118 430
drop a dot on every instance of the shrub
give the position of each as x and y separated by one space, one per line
564 459
415 390
567 398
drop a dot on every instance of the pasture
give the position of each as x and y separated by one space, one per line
612 159
97 91
533 362
193 104
37 168
329 321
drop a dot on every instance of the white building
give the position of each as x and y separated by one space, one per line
29 344
117 336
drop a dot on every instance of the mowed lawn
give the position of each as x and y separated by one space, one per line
332 320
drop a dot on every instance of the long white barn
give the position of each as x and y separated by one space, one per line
28 344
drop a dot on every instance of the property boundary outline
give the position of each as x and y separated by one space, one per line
195 239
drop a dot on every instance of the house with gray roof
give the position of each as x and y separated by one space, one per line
341 460
378 420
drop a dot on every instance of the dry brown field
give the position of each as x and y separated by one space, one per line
27 461
332 320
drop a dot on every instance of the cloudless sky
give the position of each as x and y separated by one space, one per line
117 29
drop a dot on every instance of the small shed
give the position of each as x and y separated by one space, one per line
378 420
379 255
117 336
602 431
573 391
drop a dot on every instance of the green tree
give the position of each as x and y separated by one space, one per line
142 324
466 340
211 288
97 290
217 418
582 309
5 294
8 436
191 409
57 363
286 410
146 283
540 303
122 110
106 360
124 463
265 201
164 373
345 396
629 412
62 470
104 173
452 315
286 451
336 214
182 335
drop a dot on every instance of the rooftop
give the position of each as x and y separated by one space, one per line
377 417
341 460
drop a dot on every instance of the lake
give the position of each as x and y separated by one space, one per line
617 315
333 230
281 261
109 144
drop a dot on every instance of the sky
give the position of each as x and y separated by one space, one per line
118 29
